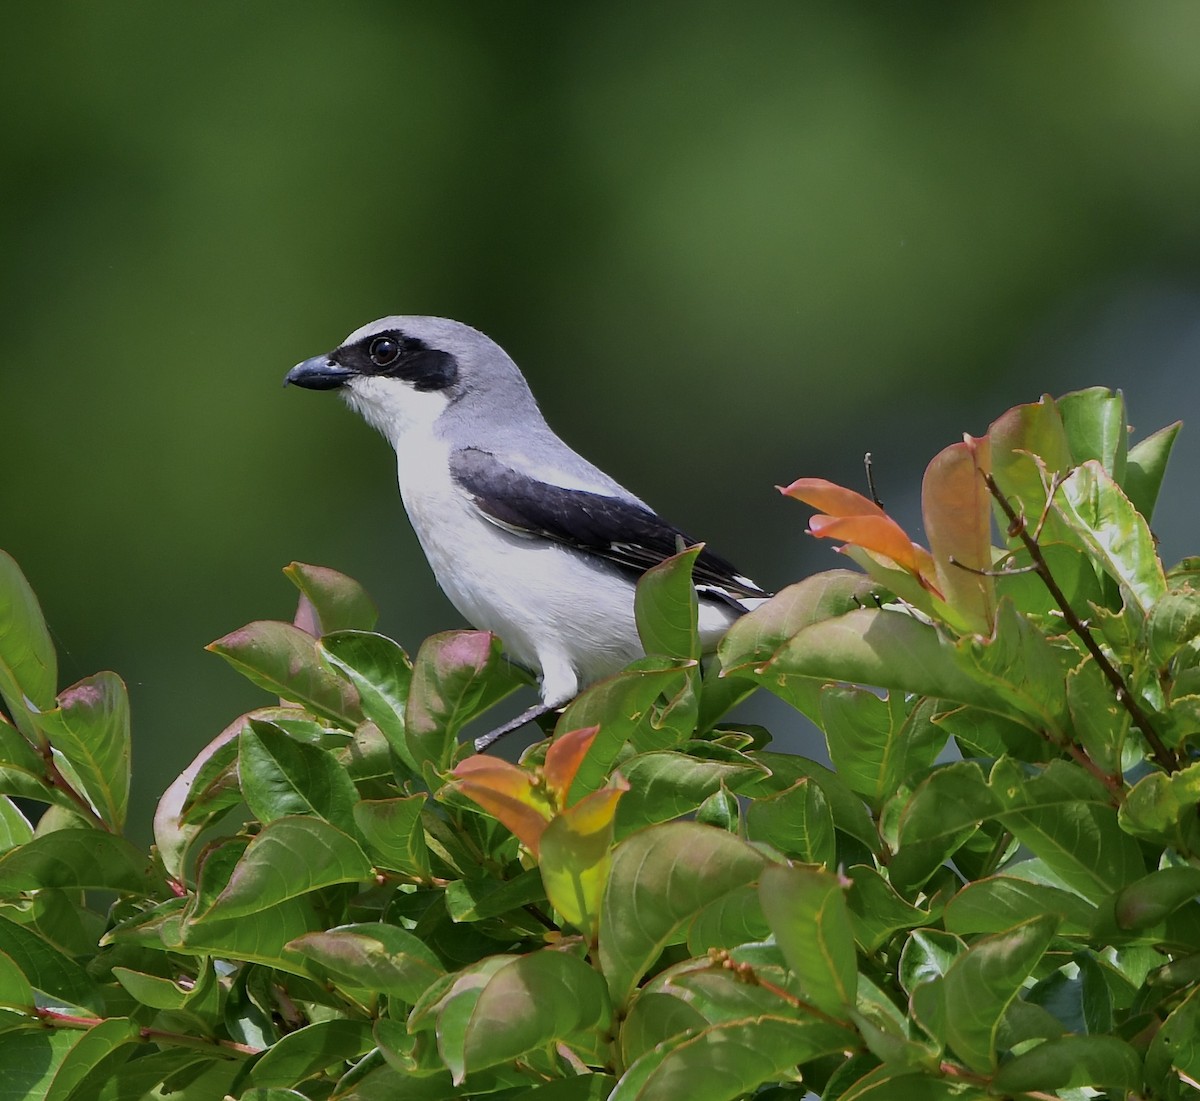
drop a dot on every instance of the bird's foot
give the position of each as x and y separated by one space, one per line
485 741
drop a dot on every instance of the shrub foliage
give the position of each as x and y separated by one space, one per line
993 892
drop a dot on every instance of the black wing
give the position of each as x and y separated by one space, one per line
622 532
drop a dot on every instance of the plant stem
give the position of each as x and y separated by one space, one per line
52 1019
1017 526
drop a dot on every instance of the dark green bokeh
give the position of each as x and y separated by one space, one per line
729 245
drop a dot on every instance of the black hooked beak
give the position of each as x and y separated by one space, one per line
319 373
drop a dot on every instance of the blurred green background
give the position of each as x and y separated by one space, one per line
730 244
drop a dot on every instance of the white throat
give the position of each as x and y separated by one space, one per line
394 408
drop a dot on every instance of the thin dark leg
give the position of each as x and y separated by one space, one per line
484 741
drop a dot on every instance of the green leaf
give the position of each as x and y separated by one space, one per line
927 955
22 769
303 1053
876 744
623 706
1064 816
73 859
32 1059
756 636
661 878
480 899
1071 1062
281 776
1146 466
90 728
1096 510
1146 902
1175 1049
797 821
877 910
290 857
28 666
1174 622
733 918
530 1002
849 814
807 911
1164 808
394 833
257 938
97 1056
339 602
728 1060
15 829
905 1083
371 956
15 991
287 662
48 969
666 608
1028 443
457 676
654 1018
381 672
665 785
1000 902
1094 420
982 982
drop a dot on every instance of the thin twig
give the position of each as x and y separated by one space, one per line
870 469
52 1019
1165 758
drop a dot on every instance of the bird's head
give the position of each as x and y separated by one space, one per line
399 373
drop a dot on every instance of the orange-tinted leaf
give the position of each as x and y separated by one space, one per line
876 533
956 506
830 497
508 793
563 759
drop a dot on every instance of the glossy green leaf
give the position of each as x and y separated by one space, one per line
875 744
1094 421
394 834
661 878
308 1050
1117 536
756 636
1148 901
90 728
33 1059
927 955
733 918
1064 816
22 769
529 1003
850 815
457 675
1174 622
654 1018
728 1060
77 858
478 900
1146 466
261 937
381 672
1000 902
371 956
99 1054
665 607
281 776
666 784
48 969
1175 1049
807 912
622 706
981 983
28 666
287 662
904 1083
15 991
797 821
877 910
1029 445
1071 1062
290 857
339 602
1163 808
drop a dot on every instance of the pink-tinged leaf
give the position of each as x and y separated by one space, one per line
830 497
330 601
90 728
957 509
456 676
286 662
563 759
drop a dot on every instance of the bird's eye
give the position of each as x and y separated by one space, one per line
384 351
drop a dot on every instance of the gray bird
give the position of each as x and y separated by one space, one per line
527 538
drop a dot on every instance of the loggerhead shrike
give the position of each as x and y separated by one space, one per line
527 538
